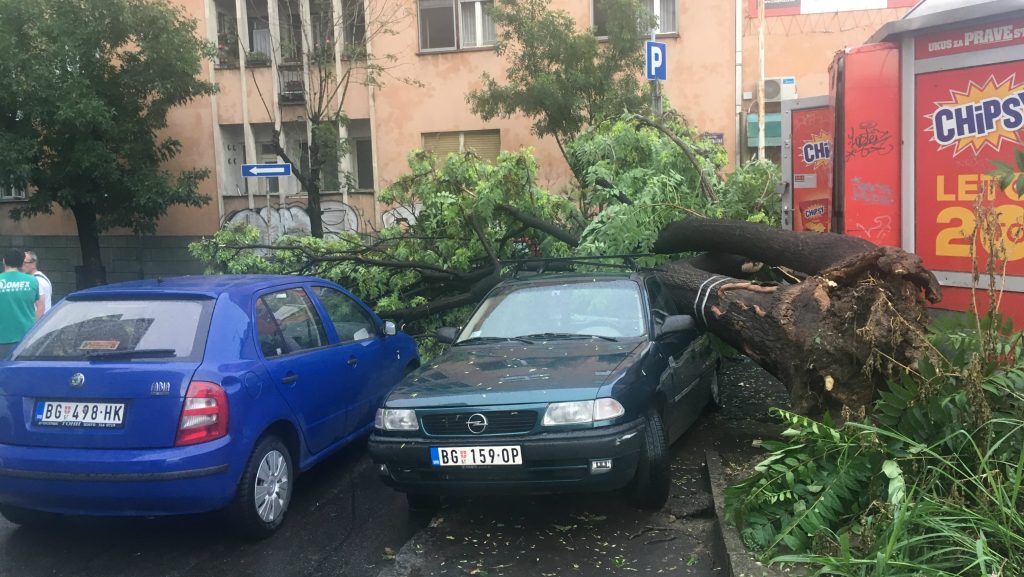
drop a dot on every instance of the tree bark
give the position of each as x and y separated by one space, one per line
832 339
92 272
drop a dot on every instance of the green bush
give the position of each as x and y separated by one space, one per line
928 484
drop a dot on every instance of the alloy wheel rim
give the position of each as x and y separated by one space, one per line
272 486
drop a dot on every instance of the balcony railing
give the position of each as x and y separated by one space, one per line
293 89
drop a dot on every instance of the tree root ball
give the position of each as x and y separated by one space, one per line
833 339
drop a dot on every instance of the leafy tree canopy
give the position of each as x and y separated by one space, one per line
562 77
88 86
474 217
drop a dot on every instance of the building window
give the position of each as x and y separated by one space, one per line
598 19
290 32
440 30
260 47
663 10
362 148
354 21
227 39
486 144
477 24
11 193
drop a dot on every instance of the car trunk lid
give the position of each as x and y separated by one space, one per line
104 373
110 405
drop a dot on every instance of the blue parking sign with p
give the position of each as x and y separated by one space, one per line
656 64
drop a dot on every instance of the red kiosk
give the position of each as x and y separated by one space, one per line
917 118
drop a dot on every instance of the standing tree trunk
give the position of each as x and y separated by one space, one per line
91 273
832 339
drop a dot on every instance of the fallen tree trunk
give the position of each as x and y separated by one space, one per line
832 339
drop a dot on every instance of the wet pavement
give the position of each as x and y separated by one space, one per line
598 535
345 522
342 523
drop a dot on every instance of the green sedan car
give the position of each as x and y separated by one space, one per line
558 383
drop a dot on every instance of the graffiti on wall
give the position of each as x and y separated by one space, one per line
401 214
274 222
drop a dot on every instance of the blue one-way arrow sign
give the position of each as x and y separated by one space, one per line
267 170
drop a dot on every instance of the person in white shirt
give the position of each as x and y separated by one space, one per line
45 286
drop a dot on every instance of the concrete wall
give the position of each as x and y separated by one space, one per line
125 257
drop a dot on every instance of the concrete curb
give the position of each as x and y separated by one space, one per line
738 561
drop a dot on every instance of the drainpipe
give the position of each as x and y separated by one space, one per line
344 163
739 82
275 90
374 145
242 26
218 148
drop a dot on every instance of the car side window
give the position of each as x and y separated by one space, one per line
269 335
661 305
349 319
287 323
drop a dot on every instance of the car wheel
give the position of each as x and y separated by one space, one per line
422 503
265 491
650 486
27 517
715 400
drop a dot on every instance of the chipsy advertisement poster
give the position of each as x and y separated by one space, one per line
966 119
812 168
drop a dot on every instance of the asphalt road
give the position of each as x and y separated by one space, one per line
345 522
342 522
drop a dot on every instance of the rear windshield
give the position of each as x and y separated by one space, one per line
120 330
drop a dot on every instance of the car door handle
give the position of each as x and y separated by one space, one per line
353 361
289 379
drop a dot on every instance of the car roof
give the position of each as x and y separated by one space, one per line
211 286
572 277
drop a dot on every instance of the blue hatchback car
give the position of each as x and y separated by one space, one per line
189 394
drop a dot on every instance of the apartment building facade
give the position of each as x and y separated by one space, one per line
268 52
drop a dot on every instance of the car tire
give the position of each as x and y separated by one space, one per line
715 399
423 503
650 486
264 492
27 517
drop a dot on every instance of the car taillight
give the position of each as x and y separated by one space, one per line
205 416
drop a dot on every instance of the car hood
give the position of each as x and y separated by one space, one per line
513 373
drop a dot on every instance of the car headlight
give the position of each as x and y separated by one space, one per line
577 412
396 420
605 409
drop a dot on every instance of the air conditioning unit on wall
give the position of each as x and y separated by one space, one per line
779 88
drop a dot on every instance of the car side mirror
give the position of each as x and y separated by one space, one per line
389 329
676 324
446 335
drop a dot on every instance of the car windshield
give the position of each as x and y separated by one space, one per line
601 308
119 330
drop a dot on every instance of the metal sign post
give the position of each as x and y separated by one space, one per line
657 66
267 171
